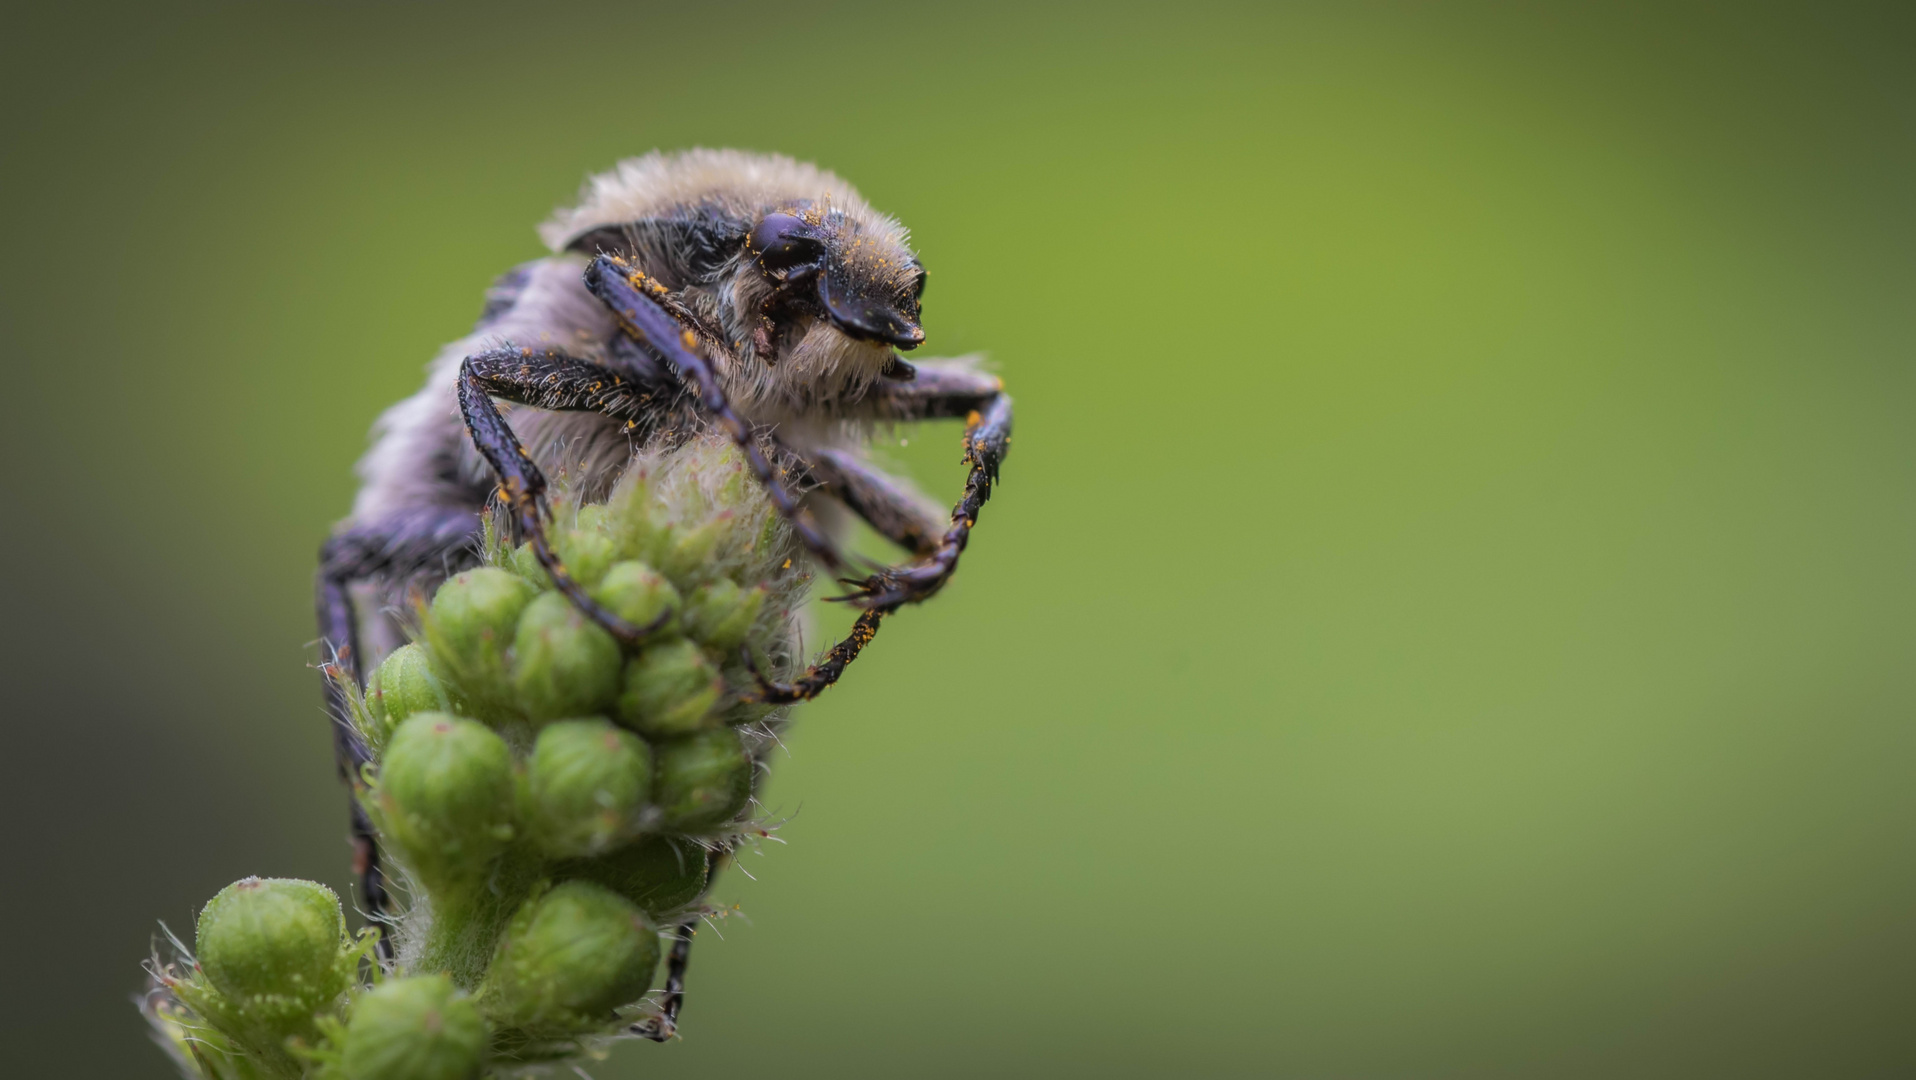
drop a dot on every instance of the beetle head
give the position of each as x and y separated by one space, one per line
819 262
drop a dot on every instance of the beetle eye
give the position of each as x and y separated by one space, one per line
918 286
783 248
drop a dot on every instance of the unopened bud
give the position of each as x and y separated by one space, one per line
688 551
737 484
446 795
638 594
522 562
564 664
586 553
272 946
415 1028
703 779
568 959
720 614
670 689
404 684
471 622
587 783
772 542
633 517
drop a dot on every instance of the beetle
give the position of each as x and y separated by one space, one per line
686 292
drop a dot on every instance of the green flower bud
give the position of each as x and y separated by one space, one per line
739 485
586 553
446 796
703 779
772 543
568 959
686 554
522 562
633 517
587 783
272 947
721 614
404 684
638 594
564 664
661 874
469 626
670 689
417 1028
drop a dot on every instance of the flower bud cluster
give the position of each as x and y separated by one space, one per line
552 800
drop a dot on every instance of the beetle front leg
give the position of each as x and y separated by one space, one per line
545 380
987 441
634 300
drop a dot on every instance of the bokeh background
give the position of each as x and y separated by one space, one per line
1448 612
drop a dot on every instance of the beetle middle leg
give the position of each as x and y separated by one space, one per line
883 501
891 508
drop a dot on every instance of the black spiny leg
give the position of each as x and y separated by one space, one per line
929 391
634 300
987 440
396 548
889 507
818 678
886 503
662 1027
933 390
546 380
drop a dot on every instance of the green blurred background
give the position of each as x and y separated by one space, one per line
1448 612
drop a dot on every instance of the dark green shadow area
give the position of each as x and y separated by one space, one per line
1448 609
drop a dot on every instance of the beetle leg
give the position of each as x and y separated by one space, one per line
884 503
635 301
987 441
933 391
546 380
394 548
818 678
662 1027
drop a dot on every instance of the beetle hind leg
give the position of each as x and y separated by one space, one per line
394 549
665 1025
